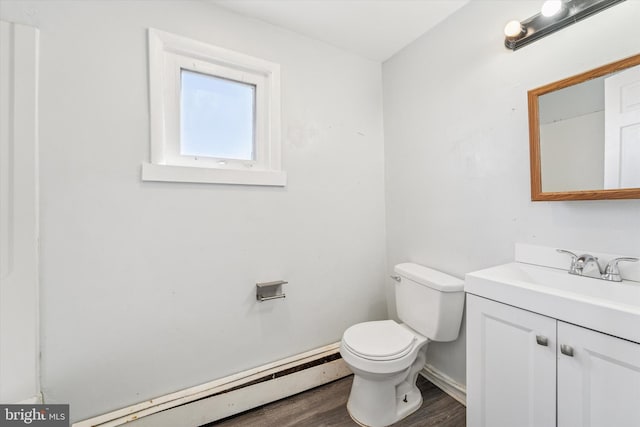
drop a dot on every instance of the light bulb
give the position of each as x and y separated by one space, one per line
551 7
513 29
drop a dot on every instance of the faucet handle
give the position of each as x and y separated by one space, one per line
574 258
612 272
564 251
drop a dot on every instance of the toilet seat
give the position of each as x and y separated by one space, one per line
383 340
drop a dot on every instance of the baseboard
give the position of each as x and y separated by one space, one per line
231 395
445 383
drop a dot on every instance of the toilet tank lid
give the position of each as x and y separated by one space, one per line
429 277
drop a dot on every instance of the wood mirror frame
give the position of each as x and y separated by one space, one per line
534 138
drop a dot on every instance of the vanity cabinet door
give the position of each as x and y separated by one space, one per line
599 385
511 366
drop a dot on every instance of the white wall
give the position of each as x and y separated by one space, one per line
19 347
457 151
148 288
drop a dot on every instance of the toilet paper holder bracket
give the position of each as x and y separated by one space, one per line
266 291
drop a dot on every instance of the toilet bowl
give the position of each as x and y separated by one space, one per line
386 356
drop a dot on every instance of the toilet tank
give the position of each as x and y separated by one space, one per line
429 301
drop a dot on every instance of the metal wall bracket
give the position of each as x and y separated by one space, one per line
270 290
539 25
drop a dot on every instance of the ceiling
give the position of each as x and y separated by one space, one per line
375 29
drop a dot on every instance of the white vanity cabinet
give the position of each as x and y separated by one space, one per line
600 384
526 369
511 379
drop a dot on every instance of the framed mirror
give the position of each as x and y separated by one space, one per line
584 135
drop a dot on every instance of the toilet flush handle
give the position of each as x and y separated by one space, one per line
396 278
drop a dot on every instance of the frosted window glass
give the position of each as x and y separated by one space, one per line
217 117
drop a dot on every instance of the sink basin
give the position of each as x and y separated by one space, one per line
609 307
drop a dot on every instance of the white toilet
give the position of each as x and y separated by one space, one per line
386 356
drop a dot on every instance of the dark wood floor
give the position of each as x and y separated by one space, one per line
326 406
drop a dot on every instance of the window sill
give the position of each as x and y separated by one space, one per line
169 173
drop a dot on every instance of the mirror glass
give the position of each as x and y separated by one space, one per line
585 135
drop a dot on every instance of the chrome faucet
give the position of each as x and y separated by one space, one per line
580 266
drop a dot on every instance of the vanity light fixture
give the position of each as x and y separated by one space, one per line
554 15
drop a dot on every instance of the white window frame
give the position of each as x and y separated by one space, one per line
169 54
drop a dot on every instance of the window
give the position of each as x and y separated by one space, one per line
215 114
217 117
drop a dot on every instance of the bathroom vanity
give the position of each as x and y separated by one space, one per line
545 348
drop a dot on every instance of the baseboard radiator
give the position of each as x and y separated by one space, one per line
231 395
206 403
